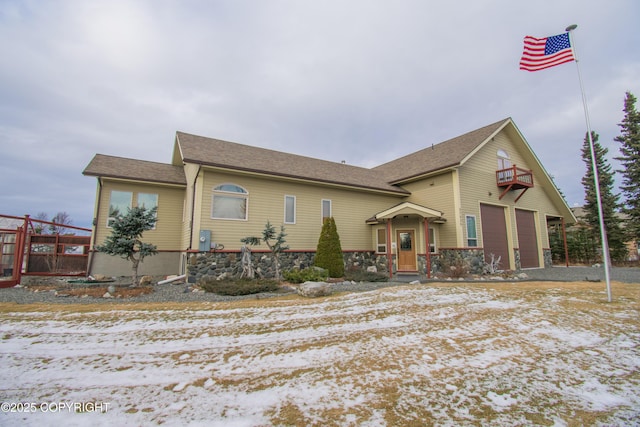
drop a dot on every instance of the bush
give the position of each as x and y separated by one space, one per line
238 287
359 275
329 251
311 274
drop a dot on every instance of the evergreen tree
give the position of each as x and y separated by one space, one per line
629 139
125 239
275 243
609 200
329 251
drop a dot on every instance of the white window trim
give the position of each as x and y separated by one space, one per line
110 218
233 194
466 230
378 244
286 197
322 217
157 205
432 241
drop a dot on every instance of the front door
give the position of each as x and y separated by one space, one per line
406 251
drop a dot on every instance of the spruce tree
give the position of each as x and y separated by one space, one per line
609 200
629 139
125 240
329 251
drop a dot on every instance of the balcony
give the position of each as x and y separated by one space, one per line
514 178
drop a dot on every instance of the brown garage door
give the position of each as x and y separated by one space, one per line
527 239
494 234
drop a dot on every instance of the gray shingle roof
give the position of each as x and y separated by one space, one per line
230 155
440 156
139 170
233 156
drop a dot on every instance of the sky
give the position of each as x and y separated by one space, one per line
361 81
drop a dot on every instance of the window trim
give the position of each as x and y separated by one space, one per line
241 195
156 206
432 241
111 219
322 217
475 230
286 198
378 244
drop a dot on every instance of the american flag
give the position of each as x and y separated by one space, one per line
546 52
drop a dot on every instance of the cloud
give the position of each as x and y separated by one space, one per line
360 81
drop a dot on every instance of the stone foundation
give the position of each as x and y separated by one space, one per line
220 265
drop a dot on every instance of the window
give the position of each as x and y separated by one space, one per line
472 236
504 161
229 202
432 240
289 209
326 209
119 204
147 201
381 244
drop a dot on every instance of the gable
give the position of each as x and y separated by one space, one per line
447 154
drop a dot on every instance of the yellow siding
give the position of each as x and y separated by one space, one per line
437 193
478 185
350 210
166 235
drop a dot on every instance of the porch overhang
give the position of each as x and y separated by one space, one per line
407 208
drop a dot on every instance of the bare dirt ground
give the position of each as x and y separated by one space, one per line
527 353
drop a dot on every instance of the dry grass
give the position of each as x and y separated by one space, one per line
416 355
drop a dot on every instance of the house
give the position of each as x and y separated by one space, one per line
480 195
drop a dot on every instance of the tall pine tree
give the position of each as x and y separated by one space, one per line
609 200
629 139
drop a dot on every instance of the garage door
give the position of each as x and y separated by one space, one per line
527 239
494 234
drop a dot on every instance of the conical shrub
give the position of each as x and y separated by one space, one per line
329 251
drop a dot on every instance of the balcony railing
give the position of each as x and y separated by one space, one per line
514 178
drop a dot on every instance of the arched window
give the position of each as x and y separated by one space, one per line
230 201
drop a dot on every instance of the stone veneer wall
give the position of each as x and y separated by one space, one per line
228 264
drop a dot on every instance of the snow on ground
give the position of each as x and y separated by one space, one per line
418 355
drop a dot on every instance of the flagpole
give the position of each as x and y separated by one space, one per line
603 232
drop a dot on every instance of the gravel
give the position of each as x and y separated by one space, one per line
182 292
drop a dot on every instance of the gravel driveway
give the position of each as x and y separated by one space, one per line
181 292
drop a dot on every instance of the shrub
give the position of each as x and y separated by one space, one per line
453 266
358 275
311 274
238 287
329 251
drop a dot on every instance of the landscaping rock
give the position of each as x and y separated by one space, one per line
314 289
146 280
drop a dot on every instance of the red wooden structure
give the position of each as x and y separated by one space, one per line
26 250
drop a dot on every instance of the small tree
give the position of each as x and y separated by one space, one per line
275 243
329 251
125 239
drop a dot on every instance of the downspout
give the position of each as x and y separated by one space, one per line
94 227
193 207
